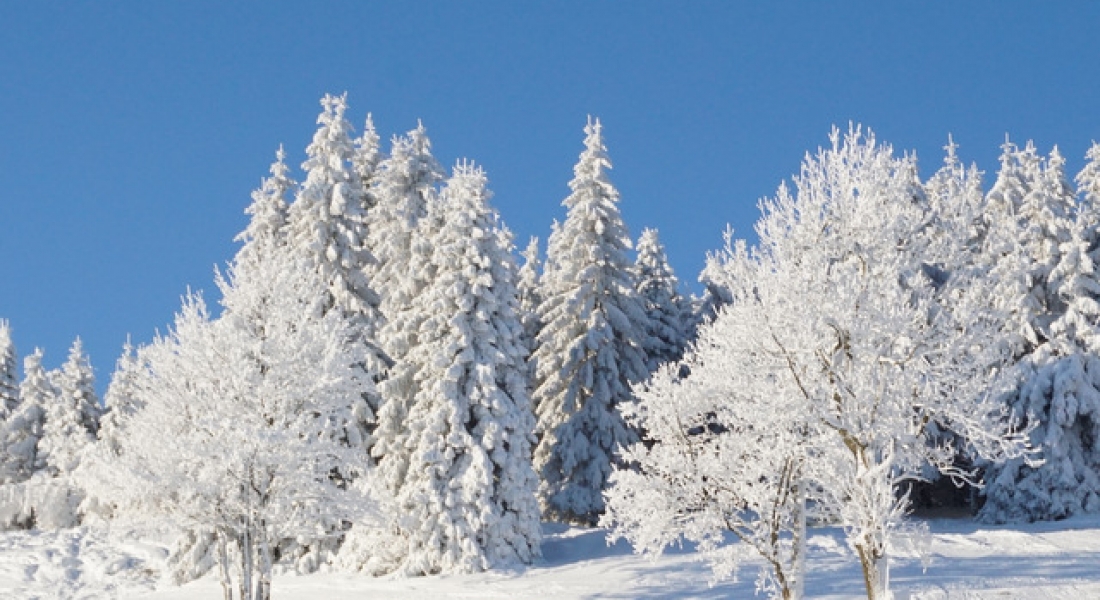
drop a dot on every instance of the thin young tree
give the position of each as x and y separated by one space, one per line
589 351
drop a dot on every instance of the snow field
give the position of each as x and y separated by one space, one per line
966 560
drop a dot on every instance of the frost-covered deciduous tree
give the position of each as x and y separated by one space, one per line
466 498
72 420
589 351
669 313
9 376
255 402
841 329
1059 389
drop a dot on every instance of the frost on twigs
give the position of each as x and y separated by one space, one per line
817 385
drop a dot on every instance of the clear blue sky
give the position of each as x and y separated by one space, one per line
131 134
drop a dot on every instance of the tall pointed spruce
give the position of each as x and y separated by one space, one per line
21 432
9 377
1059 386
403 187
468 499
669 313
589 352
72 420
327 222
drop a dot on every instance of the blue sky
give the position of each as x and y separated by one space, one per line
131 134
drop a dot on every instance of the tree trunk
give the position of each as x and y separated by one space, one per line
223 552
263 589
798 586
876 574
246 561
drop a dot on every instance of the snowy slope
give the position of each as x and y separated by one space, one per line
967 560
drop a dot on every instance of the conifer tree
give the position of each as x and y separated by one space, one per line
9 378
589 351
72 419
365 160
1059 385
668 313
529 286
267 214
121 399
327 222
21 432
403 188
467 499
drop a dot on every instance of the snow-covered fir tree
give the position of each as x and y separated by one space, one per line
9 376
1059 386
589 351
21 432
327 223
466 501
529 286
404 186
669 313
72 420
267 214
365 160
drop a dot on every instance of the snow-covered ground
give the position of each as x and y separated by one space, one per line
966 560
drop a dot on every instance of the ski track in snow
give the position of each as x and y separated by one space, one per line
966 561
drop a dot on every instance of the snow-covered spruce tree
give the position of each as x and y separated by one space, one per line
9 376
268 215
23 429
529 286
404 186
30 496
365 160
327 223
842 329
120 405
717 292
1059 388
467 501
72 420
589 351
255 401
951 239
121 398
669 313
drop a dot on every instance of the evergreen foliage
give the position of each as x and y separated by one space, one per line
669 314
589 351
466 500
9 377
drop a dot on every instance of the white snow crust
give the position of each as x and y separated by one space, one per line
966 560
